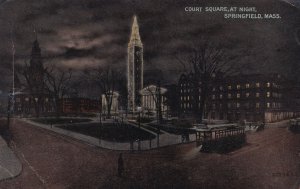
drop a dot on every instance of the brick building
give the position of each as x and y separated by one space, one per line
243 97
79 105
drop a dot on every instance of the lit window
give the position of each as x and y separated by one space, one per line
247 85
221 96
238 95
238 105
268 94
257 85
221 88
257 95
213 97
229 87
238 86
247 95
268 105
268 84
229 95
214 89
257 105
26 99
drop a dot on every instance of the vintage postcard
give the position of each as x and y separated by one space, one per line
150 94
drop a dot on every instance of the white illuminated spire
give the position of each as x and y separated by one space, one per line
135 38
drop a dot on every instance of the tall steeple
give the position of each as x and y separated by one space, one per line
135 38
135 67
36 68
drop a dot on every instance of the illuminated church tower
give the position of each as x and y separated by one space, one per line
134 67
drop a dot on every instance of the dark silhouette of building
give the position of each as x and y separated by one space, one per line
189 95
32 98
79 105
242 97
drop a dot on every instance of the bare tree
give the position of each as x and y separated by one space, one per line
157 97
57 83
35 85
108 80
204 61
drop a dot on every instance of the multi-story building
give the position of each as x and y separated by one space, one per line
189 94
242 97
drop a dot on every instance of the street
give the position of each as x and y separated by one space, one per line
269 160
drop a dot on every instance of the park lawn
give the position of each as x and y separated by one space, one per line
52 120
111 132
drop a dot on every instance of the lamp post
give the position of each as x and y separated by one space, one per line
139 109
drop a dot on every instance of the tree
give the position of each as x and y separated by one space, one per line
35 84
204 61
57 83
157 97
108 80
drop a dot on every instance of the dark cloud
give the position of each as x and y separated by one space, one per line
84 34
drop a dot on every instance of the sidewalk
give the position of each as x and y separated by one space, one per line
10 166
283 123
161 141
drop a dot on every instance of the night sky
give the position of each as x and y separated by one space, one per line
85 34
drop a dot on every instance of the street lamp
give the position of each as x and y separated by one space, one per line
139 109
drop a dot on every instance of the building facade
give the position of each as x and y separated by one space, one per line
135 67
189 95
242 97
150 99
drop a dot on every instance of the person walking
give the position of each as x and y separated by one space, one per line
120 165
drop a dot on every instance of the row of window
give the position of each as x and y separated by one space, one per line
235 105
230 87
247 105
27 99
238 95
187 98
247 95
188 90
248 85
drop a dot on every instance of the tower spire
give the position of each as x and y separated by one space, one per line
35 34
135 38
135 67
